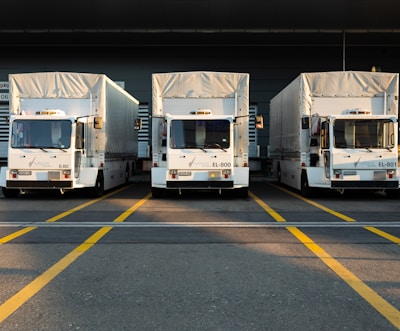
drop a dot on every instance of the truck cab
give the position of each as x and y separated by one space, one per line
46 152
199 153
355 151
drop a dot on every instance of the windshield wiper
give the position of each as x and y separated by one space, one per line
216 145
219 146
44 149
366 147
195 146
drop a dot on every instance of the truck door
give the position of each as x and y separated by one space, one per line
79 146
325 143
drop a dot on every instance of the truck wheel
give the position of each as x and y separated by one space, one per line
127 174
98 190
9 192
278 174
306 191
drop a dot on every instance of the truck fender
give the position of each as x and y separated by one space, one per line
88 176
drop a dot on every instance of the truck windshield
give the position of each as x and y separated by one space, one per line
210 134
365 133
41 134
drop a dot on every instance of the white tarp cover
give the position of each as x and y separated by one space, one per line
348 84
62 85
200 84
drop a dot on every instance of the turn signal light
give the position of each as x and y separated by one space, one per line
67 174
391 173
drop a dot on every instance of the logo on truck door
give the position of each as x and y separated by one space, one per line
31 162
198 163
357 162
191 162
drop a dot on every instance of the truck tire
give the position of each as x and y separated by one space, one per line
306 190
278 173
127 174
97 190
9 192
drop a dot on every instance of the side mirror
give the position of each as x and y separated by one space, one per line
305 122
138 124
259 122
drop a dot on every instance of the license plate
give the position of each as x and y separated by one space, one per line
184 173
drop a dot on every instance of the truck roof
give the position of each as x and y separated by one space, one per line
199 84
58 85
307 88
349 83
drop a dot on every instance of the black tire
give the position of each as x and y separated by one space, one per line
9 192
278 174
127 174
306 190
97 190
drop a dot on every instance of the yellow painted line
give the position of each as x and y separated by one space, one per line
390 312
375 300
378 232
16 234
59 216
132 209
316 204
267 208
383 234
17 300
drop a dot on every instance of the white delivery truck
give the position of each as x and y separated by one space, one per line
200 132
336 130
69 131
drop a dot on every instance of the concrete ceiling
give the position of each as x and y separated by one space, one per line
199 22
198 15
